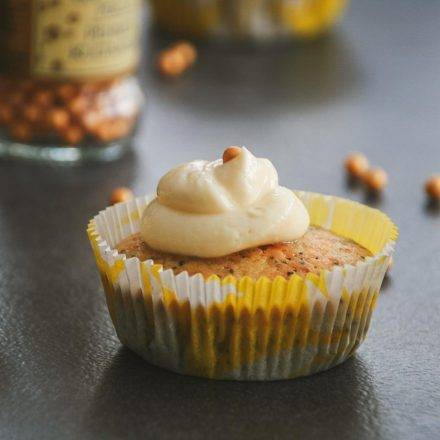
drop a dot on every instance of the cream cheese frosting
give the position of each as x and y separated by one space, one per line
211 209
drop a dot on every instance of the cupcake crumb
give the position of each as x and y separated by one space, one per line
317 250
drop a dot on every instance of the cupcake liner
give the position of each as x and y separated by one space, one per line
259 19
244 329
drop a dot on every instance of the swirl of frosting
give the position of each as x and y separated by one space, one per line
212 209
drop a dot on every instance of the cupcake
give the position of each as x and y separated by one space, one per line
226 274
244 19
261 20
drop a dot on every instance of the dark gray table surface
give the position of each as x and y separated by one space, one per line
373 85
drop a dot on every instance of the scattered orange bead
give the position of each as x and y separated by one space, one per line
432 187
356 165
188 50
121 194
375 179
171 65
230 153
172 62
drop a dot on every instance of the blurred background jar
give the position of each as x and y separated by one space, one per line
261 20
68 88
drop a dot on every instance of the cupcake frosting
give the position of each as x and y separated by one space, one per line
212 209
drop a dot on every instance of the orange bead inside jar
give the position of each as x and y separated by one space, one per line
48 111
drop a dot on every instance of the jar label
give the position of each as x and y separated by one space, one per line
78 39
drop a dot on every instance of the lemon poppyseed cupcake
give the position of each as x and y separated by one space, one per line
226 274
261 20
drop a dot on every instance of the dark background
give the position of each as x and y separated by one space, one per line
373 85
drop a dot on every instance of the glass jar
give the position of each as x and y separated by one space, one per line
68 89
260 20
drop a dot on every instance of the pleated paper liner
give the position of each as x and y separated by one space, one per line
245 329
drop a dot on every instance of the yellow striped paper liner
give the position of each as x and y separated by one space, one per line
245 329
